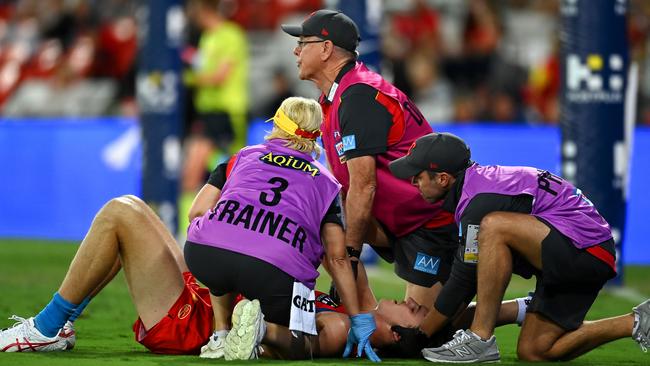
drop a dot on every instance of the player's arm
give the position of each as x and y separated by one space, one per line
332 332
210 193
454 297
365 124
360 198
338 263
207 198
214 77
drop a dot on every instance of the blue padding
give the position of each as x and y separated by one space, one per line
635 247
55 174
537 146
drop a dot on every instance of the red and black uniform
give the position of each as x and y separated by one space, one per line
367 116
325 303
186 327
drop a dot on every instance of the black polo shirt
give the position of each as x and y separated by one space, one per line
361 115
461 286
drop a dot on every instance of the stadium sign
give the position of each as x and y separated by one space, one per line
586 76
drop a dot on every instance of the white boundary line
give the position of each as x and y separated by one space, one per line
626 293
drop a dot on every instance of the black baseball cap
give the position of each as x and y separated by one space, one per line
435 152
330 25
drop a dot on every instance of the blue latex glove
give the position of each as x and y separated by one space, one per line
362 327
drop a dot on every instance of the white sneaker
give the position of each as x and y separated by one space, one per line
215 347
24 337
248 329
68 334
641 330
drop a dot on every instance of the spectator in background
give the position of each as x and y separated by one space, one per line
542 90
219 76
470 69
281 91
430 91
638 31
411 27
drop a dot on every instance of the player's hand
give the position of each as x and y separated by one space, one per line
412 340
362 327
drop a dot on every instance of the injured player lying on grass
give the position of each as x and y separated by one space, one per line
175 315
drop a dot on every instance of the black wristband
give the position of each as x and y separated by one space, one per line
353 252
355 268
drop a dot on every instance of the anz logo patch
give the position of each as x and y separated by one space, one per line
427 263
349 143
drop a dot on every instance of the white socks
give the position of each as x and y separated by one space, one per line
522 304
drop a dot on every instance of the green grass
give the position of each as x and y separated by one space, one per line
30 272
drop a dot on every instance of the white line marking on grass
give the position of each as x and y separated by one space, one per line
626 293
384 275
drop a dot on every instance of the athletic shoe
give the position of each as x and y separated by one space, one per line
465 347
215 347
248 328
68 334
641 330
24 337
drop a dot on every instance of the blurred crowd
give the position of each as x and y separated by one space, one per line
461 61
60 57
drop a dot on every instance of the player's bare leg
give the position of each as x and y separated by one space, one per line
198 152
500 233
125 233
543 340
222 308
128 230
222 311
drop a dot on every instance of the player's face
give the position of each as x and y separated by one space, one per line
407 313
432 189
307 53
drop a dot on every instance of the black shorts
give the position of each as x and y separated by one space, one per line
224 271
217 127
569 281
424 256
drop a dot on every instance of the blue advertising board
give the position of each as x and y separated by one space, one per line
56 174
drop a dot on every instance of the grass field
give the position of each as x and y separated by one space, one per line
30 272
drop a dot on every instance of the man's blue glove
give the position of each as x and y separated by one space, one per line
362 327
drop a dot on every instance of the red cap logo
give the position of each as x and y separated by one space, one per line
324 32
433 166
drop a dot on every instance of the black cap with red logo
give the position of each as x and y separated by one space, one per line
435 152
330 25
